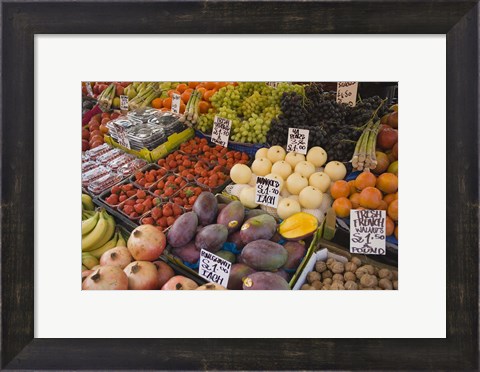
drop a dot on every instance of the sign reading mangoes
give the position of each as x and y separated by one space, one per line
297 140
347 93
124 103
221 131
367 231
214 268
267 191
176 103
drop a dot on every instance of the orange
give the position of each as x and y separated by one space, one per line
167 103
193 84
342 207
365 179
221 84
389 198
202 91
390 226
186 96
370 197
157 103
353 189
355 199
340 189
387 182
383 205
208 94
172 91
396 232
392 210
182 107
203 107
181 87
210 85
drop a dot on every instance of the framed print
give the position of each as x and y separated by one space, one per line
176 43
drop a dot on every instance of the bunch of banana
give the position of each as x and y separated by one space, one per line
97 230
89 261
87 203
117 240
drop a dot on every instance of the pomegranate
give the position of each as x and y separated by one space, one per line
106 277
118 256
86 273
395 151
387 137
178 283
164 273
382 163
392 119
211 287
146 243
141 275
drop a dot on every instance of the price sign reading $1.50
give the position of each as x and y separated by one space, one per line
267 191
214 268
367 231
176 103
221 131
297 140
347 93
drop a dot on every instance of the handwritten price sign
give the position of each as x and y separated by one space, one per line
367 231
124 103
347 93
297 140
214 268
221 131
267 191
176 103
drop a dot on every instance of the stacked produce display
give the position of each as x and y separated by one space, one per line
163 205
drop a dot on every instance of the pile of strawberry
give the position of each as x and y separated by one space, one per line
163 215
168 186
187 196
138 204
147 178
120 193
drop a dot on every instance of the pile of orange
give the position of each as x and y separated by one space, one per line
368 191
207 89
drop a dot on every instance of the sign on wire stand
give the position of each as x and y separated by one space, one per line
221 131
367 231
124 103
176 103
122 136
347 92
267 192
89 89
297 140
214 268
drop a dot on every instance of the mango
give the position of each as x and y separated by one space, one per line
264 255
226 255
238 272
259 227
206 208
296 252
265 281
188 253
283 274
232 216
298 226
237 240
211 238
253 213
183 230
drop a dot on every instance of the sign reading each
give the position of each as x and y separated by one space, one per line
367 231
176 103
297 140
124 103
347 92
267 191
122 136
221 131
214 268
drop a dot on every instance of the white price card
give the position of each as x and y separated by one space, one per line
367 231
347 92
89 89
267 191
221 131
176 103
124 103
122 136
214 268
297 140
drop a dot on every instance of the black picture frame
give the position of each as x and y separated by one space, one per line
458 20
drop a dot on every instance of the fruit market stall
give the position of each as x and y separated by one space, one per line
239 186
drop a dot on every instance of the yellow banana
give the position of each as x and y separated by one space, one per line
92 239
121 240
87 202
112 243
108 234
90 223
89 261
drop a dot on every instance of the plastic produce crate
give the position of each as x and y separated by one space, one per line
249 148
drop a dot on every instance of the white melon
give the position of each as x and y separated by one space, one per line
247 197
320 180
317 156
293 158
288 207
296 183
335 170
276 153
305 168
261 153
261 166
240 173
282 168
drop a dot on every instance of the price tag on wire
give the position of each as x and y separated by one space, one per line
122 136
214 268
367 231
347 93
89 89
221 131
267 191
297 140
124 103
176 99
